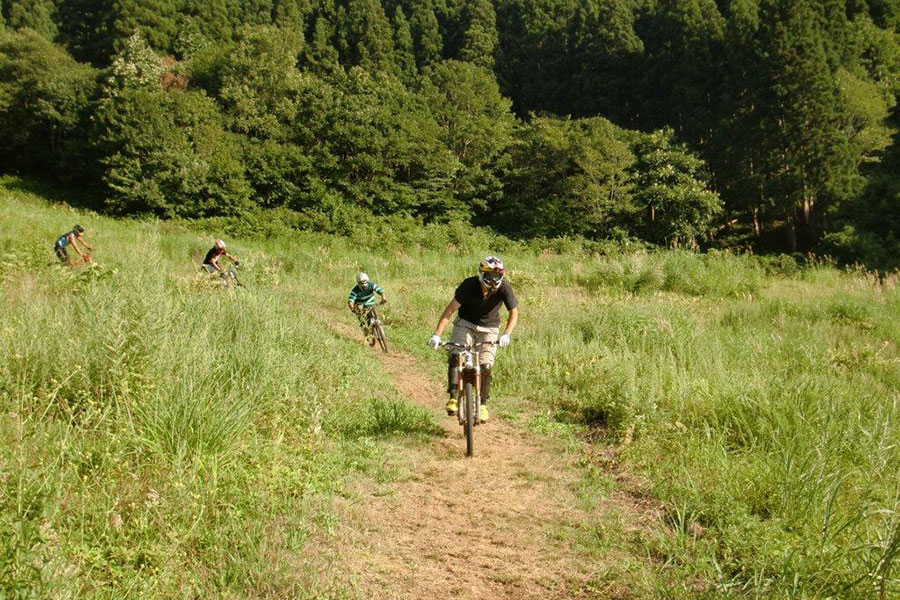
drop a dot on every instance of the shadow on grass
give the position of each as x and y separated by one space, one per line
80 197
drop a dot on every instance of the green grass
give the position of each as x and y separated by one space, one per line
162 437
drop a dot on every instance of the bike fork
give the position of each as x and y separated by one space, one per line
460 391
477 403
461 394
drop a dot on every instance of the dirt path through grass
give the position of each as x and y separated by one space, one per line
487 527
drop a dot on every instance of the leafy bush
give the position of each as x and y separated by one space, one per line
44 100
566 178
166 154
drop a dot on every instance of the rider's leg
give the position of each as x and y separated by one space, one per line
452 375
370 329
486 336
485 384
462 334
452 382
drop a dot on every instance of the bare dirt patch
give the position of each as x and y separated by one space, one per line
479 528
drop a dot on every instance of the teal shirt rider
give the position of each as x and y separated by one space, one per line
364 295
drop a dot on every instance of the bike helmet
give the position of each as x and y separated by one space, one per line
78 229
220 244
362 278
491 272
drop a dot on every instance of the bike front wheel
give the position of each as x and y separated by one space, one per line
470 419
379 335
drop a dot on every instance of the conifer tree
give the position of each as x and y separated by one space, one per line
426 35
38 15
320 53
602 60
291 14
480 42
805 154
257 12
369 35
886 13
153 19
683 40
532 53
95 31
214 19
403 47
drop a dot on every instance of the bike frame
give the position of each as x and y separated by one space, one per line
368 318
372 326
468 367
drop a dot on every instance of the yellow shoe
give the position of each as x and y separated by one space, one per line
451 407
484 413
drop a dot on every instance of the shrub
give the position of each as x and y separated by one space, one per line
166 154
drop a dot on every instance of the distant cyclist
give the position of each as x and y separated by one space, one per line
478 301
211 262
361 297
72 238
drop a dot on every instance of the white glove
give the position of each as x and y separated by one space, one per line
434 341
504 340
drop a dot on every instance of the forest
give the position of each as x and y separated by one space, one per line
754 125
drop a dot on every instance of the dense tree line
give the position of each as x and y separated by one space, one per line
765 123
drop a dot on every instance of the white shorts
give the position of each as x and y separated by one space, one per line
465 333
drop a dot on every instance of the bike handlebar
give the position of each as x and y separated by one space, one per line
452 345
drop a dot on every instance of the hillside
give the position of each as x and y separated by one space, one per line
666 424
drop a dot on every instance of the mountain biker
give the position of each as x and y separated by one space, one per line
72 238
363 296
478 301
211 262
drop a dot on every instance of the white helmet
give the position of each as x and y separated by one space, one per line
362 278
220 244
491 272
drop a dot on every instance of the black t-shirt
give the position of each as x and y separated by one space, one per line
213 253
480 310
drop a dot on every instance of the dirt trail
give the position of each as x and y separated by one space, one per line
478 528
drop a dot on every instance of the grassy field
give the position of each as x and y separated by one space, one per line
162 437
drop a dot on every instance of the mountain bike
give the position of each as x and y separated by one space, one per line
468 387
229 276
372 326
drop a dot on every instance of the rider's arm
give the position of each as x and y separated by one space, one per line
511 322
73 241
231 258
214 261
380 292
82 240
445 317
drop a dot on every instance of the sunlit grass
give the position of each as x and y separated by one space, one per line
151 420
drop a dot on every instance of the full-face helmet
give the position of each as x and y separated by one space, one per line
491 272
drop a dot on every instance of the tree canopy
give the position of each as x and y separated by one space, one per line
764 124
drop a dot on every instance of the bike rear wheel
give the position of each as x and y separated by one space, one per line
470 419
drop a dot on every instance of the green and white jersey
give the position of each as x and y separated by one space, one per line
365 295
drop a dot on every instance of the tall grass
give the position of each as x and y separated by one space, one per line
760 409
161 436
756 402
